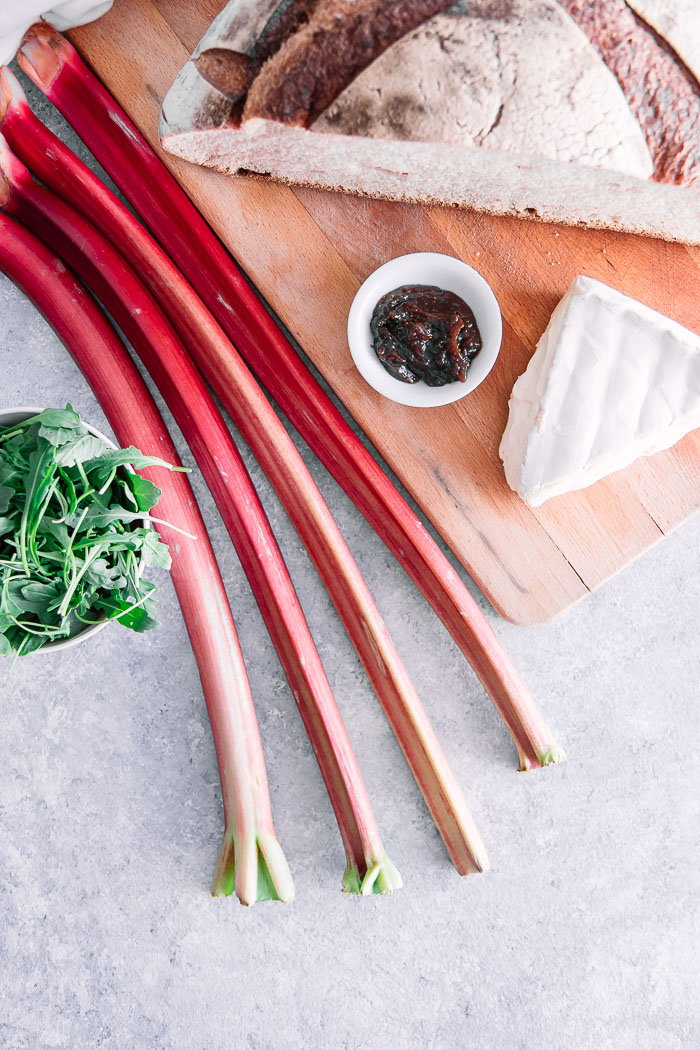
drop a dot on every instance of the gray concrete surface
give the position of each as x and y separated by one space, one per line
584 934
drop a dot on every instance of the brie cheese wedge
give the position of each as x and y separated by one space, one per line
610 380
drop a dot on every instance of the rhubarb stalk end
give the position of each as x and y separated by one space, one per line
381 877
6 90
261 874
42 53
550 756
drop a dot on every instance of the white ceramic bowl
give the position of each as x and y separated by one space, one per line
425 268
8 417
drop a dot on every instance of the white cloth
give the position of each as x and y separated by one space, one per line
16 16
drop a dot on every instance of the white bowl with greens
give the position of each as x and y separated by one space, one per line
75 532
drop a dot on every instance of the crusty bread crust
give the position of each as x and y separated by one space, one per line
232 71
341 38
677 22
661 92
240 39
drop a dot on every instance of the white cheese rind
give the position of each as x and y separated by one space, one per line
610 380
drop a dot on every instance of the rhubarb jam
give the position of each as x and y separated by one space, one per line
420 332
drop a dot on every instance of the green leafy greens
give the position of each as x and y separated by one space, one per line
74 533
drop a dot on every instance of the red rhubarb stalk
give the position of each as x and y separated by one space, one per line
251 859
54 65
143 323
59 169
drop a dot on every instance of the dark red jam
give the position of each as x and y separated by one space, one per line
423 332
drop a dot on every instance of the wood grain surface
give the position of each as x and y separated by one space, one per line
308 251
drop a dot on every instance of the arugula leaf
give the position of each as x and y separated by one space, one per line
30 596
154 551
79 449
16 450
124 491
10 601
39 595
59 427
53 424
121 457
114 542
6 495
36 483
136 618
29 643
9 474
144 491
102 574
99 517
57 530
56 418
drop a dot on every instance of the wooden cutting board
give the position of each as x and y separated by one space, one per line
308 251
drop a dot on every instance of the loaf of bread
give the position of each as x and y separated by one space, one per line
577 111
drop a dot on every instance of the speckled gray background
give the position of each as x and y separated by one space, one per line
584 934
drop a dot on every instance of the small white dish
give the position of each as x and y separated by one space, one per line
446 272
9 417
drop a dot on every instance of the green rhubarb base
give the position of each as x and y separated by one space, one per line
268 875
381 877
553 756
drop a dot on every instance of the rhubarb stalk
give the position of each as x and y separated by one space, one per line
251 861
59 169
54 65
142 321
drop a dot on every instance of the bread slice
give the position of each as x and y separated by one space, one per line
500 106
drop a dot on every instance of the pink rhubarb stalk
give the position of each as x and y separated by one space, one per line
54 65
251 861
62 172
136 312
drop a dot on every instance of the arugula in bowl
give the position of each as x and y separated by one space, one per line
75 532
